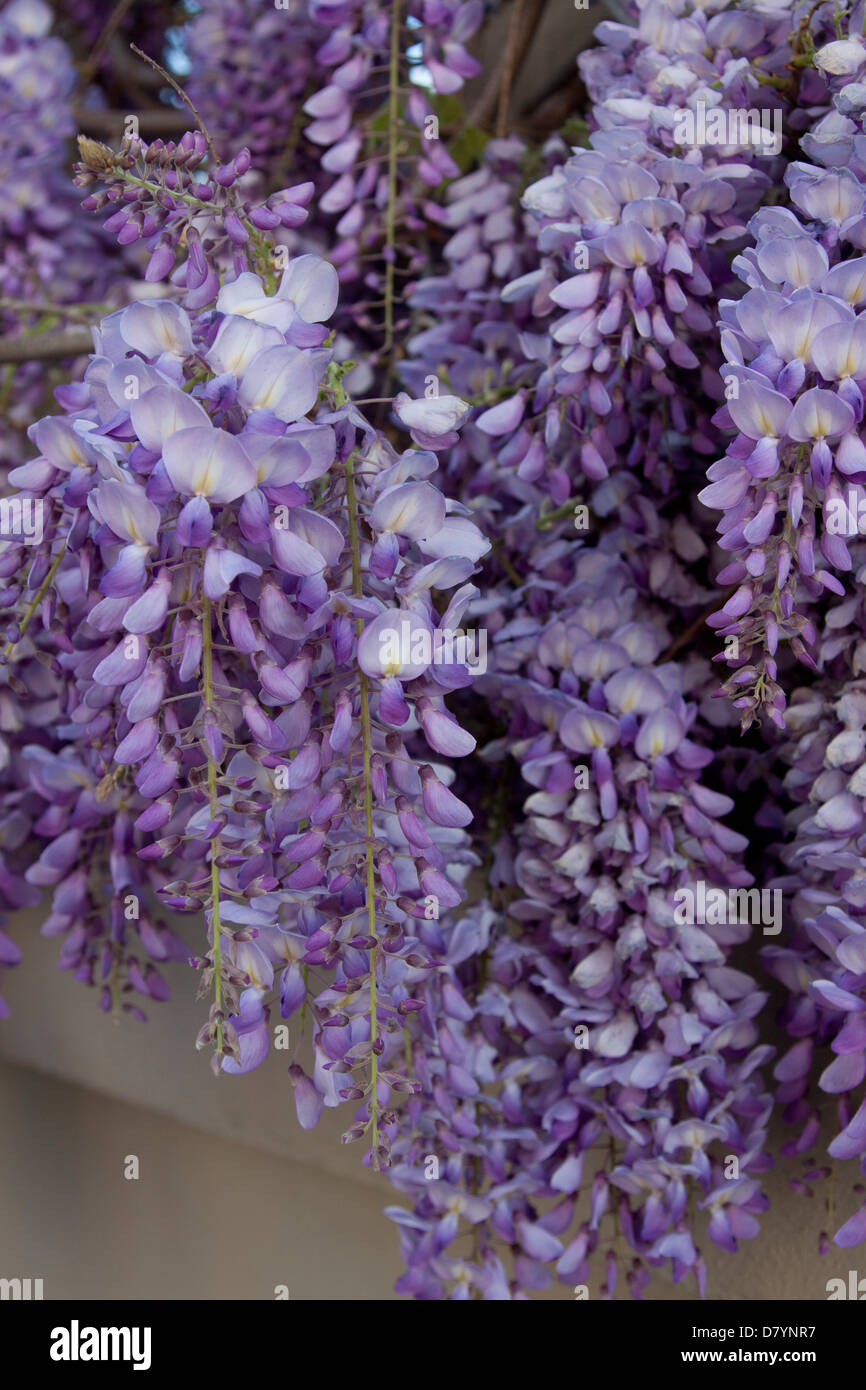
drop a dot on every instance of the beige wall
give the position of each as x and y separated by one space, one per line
210 1219
206 1219
230 1187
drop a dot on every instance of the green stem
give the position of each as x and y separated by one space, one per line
10 646
766 79
8 377
207 668
506 563
546 519
393 135
306 975
115 984
367 746
198 203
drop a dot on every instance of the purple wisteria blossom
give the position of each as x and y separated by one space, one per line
152 194
789 484
223 526
49 250
603 1045
822 964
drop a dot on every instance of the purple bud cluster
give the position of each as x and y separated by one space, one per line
160 194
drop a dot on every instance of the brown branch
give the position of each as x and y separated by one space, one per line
126 69
176 87
504 96
33 347
490 99
112 24
83 312
156 120
559 76
550 111
484 107
694 628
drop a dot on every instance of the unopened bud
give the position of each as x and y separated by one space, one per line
94 155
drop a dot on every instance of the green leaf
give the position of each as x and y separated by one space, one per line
468 148
447 107
576 131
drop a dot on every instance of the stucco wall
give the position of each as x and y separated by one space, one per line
233 1198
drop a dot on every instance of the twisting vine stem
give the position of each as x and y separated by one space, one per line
176 87
207 670
367 743
393 135
25 622
91 64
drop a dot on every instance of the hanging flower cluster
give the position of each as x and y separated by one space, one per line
602 1039
790 485
238 610
335 97
662 355
157 193
821 850
50 255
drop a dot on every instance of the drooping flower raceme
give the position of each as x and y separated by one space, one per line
51 256
600 1038
822 963
790 483
227 542
153 194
